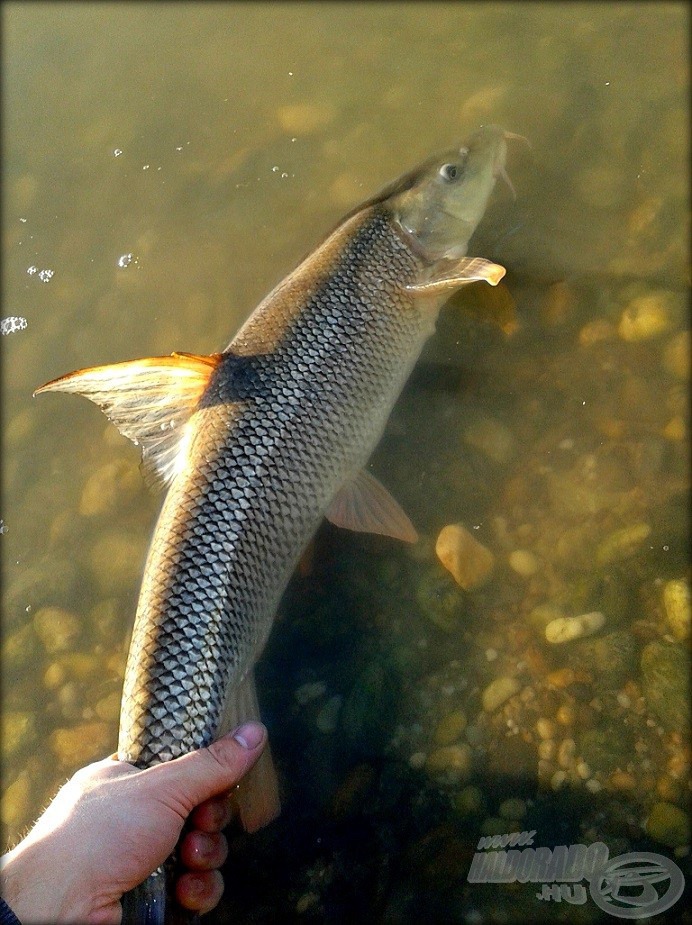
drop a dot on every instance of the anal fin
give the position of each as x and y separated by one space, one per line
257 794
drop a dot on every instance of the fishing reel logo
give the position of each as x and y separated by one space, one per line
631 886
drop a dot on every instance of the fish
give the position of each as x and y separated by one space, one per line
255 445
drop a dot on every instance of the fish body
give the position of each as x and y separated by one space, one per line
258 443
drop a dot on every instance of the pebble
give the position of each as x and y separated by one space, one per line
676 600
110 487
417 760
492 438
542 615
565 629
450 728
676 356
512 808
54 676
19 648
79 745
328 717
116 561
440 600
310 691
108 708
451 761
18 732
558 779
523 562
665 675
14 805
547 749
595 332
622 780
593 785
566 753
560 678
57 629
621 544
469 561
303 118
498 691
566 714
668 824
583 770
306 902
645 317
546 728
470 800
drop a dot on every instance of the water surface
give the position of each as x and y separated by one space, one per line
163 167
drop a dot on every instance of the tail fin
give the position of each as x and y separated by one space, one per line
257 795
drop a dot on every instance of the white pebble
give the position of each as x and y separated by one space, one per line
491 654
546 749
328 716
523 562
565 629
311 691
583 770
624 700
593 785
566 753
417 760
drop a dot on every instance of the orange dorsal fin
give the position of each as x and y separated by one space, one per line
150 401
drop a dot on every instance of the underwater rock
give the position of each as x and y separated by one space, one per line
18 649
610 659
676 600
606 748
621 544
57 629
51 581
566 629
450 728
492 438
450 764
110 487
676 356
78 745
668 824
116 562
15 801
108 708
303 118
469 561
469 801
369 711
18 732
328 717
498 691
665 681
523 562
512 808
440 601
646 316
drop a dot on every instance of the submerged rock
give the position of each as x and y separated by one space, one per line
646 316
498 691
450 764
610 659
665 681
621 544
676 600
57 629
469 561
79 745
668 824
566 629
440 601
606 748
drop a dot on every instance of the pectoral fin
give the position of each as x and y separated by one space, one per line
444 278
148 400
366 506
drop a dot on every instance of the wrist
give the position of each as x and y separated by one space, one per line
38 886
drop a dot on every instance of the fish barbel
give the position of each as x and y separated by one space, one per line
260 442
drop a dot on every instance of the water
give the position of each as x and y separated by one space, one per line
164 167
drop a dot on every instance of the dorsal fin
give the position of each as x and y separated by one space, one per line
148 400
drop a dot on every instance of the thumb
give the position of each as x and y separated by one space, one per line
194 778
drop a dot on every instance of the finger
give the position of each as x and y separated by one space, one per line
199 892
200 851
194 778
213 815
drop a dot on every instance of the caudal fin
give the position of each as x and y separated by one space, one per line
257 795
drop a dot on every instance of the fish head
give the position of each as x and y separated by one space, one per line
439 204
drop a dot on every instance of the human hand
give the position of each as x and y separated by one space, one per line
111 825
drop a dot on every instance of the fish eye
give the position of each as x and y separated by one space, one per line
449 172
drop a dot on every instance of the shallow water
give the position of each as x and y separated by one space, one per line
164 166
